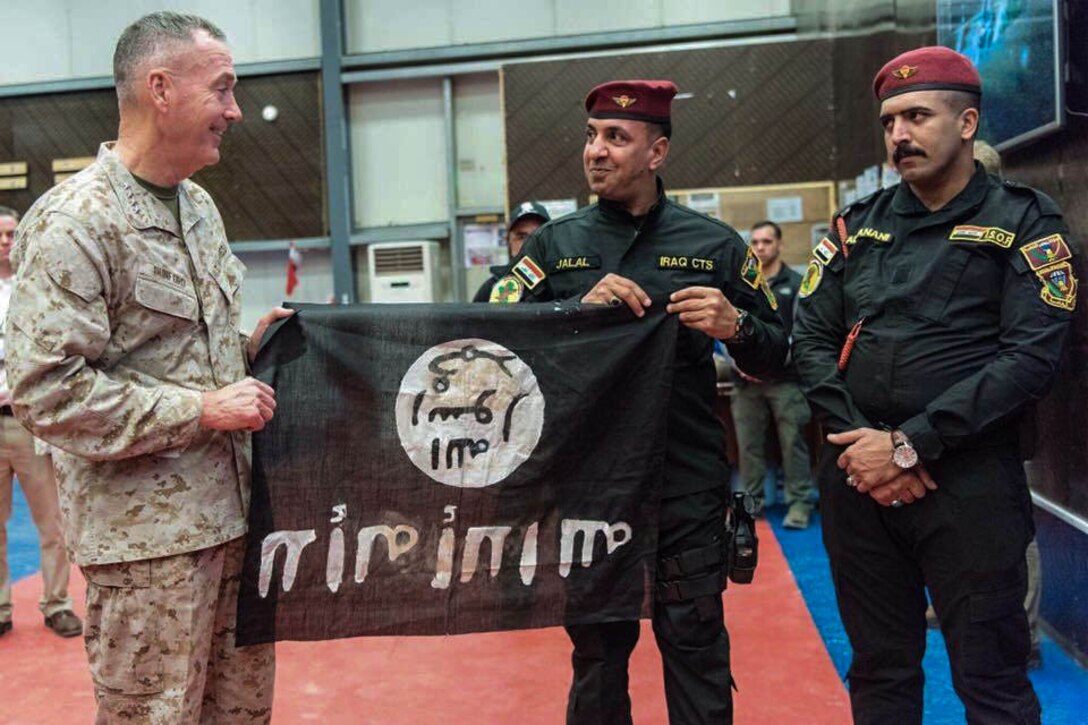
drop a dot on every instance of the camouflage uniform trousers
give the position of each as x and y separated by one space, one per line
160 642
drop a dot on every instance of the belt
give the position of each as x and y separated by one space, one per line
6 410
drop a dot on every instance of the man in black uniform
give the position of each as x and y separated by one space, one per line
930 316
636 247
756 401
524 220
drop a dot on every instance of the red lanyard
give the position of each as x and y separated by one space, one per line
848 346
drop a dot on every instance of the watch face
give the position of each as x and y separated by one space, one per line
905 457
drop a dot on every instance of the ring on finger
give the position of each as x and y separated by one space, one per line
896 503
615 301
851 482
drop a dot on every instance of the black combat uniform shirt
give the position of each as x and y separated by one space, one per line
963 314
483 294
671 248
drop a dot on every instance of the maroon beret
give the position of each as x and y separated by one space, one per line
648 101
934 68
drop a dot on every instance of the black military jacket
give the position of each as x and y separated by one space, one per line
964 312
673 247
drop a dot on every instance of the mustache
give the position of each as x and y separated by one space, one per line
904 150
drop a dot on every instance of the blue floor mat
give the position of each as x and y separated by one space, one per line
1061 684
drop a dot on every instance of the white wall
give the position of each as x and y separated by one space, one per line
379 25
266 281
48 40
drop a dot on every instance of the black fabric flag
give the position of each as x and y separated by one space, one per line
439 469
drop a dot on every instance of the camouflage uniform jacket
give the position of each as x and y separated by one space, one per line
117 323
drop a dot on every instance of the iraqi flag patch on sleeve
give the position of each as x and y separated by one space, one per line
530 272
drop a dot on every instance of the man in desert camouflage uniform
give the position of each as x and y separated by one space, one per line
124 353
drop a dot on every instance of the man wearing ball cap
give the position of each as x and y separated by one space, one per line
638 250
930 316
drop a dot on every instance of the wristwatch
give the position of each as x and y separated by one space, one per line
743 330
904 454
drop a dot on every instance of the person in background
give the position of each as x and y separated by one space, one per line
35 473
931 316
524 220
124 354
756 401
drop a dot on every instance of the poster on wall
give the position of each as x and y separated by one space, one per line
485 245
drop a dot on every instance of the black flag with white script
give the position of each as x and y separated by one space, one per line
439 469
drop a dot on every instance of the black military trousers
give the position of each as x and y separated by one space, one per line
966 542
690 635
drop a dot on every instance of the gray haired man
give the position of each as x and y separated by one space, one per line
124 354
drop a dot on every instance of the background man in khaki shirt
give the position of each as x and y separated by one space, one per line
124 353
35 472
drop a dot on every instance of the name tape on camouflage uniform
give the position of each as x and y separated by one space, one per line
750 271
1046 251
991 235
1059 286
825 251
564 264
811 280
529 271
506 291
699 264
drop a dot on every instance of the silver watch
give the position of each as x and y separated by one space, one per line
904 454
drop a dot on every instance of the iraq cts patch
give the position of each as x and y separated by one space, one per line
506 291
529 271
982 235
1046 251
811 280
1059 286
750 271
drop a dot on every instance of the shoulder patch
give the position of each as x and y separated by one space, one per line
530 272
1046 251
982 235
1059 286
811 280
750 271
768 293
506 291
825 251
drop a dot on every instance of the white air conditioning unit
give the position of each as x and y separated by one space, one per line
403 271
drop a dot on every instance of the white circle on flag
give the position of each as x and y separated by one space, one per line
469 412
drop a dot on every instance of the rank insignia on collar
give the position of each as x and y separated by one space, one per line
769 294
750 271
825 251
904 72
1046 251
811 280
506 291
529 271
991 235
624 101
1059 286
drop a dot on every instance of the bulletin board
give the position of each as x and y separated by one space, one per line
803 210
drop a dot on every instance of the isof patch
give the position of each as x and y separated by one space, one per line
1059 286
566 264
769 294
825 251
699 264
506 291
811 280
750 271
529 271
990 235
1046 251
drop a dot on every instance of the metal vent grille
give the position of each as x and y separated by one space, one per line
397 260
